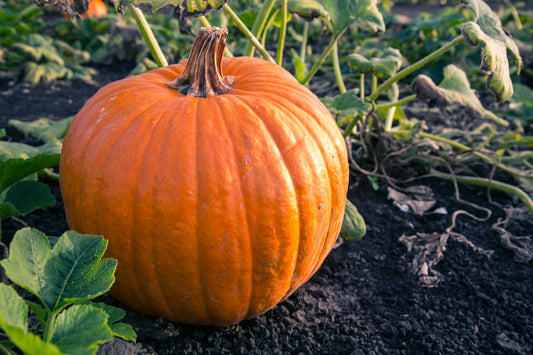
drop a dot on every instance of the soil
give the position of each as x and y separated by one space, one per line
366 298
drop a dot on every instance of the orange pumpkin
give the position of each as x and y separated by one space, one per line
97 8
219 196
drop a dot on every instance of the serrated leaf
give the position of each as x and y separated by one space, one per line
353 225
39 47
44 129
307 9
383 63
349 104
76 271
121 330
344 13
13 170
29 252
454 88
80 329
28 196
487 32
13 321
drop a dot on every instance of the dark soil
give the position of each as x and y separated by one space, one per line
365 299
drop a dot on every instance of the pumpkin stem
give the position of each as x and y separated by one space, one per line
203 75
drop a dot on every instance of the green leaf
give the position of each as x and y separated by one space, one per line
299 68
194 7
13 321
44 129
384 63
76 271
344 13
307 9
29 252
13 170
39 47
487 32
353 225
121 330
454 88
79 330
10 150
26 197
347 104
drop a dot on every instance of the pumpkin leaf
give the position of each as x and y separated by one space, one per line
347 104
44 129
486 31
115 315
384 63
307 9
14 322
192 8
15 169
25 197
80 329
73 271
353 225
76 271
454 88
13 150
344 13
299 67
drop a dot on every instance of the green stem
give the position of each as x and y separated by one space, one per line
148 36
337 69
413 67
396 103
374 82
350 127
303 48
282 32
476 153
392 110
516 17
49 327
362 87
321 60
498 185
205 23
259 25
247 33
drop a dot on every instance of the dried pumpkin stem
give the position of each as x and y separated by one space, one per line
203 75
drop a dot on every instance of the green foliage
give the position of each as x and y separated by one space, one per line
353 225
63 279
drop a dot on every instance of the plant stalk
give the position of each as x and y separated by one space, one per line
49 326
337 69
396 103
498 185
259 25
148 36
350 127
282 32
303 48
247 33
413 67
205 23
476 153
321 60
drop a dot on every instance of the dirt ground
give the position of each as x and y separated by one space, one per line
366 298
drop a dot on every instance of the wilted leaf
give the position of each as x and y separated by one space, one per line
454 88
353 225
417 199
487 31
73 8
347 104
344 13
383 63
307 9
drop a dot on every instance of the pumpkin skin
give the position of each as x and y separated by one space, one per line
216 208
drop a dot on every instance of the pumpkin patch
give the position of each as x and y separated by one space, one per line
220 184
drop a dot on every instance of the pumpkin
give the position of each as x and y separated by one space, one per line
219 195
97 8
